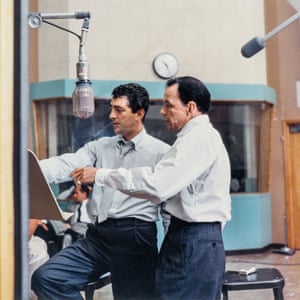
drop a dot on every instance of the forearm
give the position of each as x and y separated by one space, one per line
58 168
137 182
157 185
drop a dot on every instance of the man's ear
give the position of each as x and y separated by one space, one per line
141 113
192 106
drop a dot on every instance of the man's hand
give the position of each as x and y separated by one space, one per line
84 175
33 224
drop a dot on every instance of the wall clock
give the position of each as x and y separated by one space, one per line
165 65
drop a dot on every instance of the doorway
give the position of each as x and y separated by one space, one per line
292 181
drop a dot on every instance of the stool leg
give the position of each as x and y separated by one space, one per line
278 294
89 293
225 295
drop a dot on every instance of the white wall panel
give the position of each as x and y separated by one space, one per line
124 36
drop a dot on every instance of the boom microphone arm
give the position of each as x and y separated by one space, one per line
258 43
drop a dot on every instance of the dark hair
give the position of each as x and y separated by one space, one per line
85 188
137 95
192 89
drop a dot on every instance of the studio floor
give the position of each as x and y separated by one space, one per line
288 265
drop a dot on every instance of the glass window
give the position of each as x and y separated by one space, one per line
244 127
57 131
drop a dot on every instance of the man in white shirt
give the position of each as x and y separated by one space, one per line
78 223
80 196
123 240
63 233
195 172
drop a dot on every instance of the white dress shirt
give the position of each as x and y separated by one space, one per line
84 215
195 172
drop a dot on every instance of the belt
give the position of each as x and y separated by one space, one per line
125 221
178 222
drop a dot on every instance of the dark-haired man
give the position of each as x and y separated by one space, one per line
78 223
196 173
123 240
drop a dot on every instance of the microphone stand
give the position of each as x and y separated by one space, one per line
281 26
83 95
285 249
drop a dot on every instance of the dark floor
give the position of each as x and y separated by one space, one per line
288 265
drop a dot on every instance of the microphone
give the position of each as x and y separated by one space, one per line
252 47
83 95
256 44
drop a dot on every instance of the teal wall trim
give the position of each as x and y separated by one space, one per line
241 92
250 226
52 89
103 88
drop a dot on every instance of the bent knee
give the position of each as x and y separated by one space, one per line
38 277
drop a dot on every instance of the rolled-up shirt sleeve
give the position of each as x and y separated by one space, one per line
57 168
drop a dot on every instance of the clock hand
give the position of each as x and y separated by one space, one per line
167 67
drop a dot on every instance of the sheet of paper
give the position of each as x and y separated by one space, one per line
43 203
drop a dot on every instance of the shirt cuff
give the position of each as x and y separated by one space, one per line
101 176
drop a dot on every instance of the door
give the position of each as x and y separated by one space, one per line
292 183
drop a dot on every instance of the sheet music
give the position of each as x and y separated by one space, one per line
43 203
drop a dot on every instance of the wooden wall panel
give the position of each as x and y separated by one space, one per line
283 70
6 152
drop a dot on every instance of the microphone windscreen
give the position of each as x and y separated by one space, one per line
83 100
252 47
82 15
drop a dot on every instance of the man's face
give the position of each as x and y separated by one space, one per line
175 113
78 195
124 121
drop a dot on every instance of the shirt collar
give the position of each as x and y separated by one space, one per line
136 141
202 119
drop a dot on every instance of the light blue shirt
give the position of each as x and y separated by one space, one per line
195 173
107 152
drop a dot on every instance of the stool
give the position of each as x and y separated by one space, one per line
91 286
264 278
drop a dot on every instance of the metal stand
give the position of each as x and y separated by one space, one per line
285 249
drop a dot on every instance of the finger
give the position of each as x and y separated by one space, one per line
76 172
44 226
77 179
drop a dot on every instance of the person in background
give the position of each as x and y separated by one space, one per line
123 240
81 218
60 234
37 250
196 173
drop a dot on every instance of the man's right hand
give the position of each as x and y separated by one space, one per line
84 175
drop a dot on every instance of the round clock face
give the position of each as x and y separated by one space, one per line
165 65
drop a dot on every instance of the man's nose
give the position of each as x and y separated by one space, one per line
111 115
